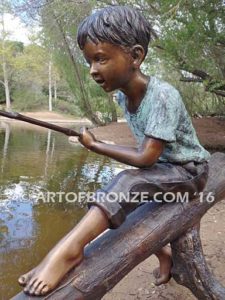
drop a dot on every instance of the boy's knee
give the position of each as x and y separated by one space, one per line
113 211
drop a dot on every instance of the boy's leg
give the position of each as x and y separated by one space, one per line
65 255
69 251
163 273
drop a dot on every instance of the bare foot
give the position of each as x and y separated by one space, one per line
23 279
67 254
51 270
163 273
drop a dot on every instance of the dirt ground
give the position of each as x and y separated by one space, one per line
138 284
210 131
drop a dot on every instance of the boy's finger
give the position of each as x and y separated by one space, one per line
83 129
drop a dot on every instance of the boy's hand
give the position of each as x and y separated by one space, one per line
86 138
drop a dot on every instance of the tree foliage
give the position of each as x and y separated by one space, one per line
193 39
60 20
189 44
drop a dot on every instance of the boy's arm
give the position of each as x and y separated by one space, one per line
145 156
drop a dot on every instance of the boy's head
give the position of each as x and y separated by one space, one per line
119 25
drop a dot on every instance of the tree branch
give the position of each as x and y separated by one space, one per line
200 76
190 79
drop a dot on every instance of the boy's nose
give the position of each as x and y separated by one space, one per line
93 70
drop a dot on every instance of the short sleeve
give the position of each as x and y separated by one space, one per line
164 116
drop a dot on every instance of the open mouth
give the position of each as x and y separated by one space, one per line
100 81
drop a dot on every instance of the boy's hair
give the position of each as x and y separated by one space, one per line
120 25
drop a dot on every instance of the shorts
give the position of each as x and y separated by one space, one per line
132 187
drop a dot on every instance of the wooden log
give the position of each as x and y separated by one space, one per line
113 255
190 268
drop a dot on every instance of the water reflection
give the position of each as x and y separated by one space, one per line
33 162
17 229
6 126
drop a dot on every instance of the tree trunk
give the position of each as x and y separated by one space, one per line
6 85
55 90
85 101
50 85
113 255
4 67
190 268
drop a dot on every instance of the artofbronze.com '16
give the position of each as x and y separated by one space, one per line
134 197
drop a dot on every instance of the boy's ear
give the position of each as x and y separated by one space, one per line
138 54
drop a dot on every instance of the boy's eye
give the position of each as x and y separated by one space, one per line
101 59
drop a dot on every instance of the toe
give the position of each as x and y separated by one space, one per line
29 286
45 290
162 279
42 289
159 281
34 287
24 279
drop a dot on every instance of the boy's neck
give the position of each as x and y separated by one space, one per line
136 90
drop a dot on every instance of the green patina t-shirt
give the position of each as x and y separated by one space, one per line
162 115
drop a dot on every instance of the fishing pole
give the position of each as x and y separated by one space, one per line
20 117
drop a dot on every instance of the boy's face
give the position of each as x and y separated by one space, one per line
110 66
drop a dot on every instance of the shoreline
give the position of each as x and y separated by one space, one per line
210 130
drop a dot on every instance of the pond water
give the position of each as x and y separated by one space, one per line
42 177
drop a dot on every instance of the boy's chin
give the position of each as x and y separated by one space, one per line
107 89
